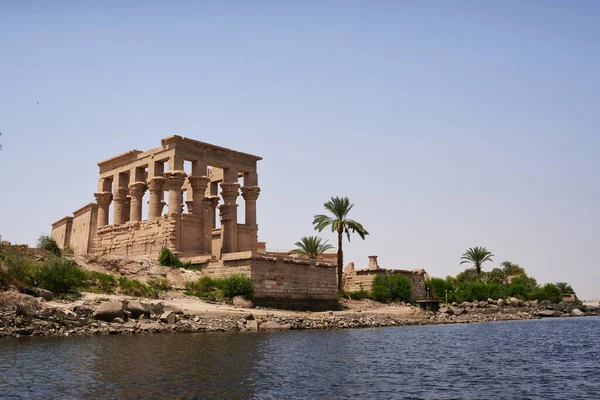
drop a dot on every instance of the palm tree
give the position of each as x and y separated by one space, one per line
339 207
476 256
564 288
311 246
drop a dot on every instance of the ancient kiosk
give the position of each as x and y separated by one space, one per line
201 220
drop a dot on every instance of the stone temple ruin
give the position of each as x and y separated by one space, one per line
190 229
362 279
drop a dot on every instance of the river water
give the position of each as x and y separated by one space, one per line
540 359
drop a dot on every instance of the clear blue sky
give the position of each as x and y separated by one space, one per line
449 124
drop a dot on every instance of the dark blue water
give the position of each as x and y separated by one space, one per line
542 359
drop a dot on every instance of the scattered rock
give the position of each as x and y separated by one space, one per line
118 320
458 311
108 311
577 313
168 317
242 302
28 306
491 301
545 313
136 309
500 302
173 307
248 316
483 304
273 326
252 325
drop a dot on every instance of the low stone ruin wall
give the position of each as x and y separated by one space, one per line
137 238
282 282
362 279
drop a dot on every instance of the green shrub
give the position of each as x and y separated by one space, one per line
168 259
205 288
158 285
393 287
440 288
359 295
238 285
45 242
104 282
16 269
133 287
60 275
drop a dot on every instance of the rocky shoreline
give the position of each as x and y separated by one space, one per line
23 315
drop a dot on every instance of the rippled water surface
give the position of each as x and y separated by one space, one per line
542 359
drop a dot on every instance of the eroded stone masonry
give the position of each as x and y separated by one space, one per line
203 228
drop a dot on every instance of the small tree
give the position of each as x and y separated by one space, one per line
476 256
510 268
311 246
45 242
393 287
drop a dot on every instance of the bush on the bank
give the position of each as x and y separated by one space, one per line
133 287
213 289
391 288
238 285
168 259
45 242
441 287
103 283
358 295
16 269
60 275
470 291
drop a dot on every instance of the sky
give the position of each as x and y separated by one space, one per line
448 124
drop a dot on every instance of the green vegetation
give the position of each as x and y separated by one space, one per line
510 281
168 259
60 275
339 207
393 287
359 295
311 246
45 242
476 256
207 288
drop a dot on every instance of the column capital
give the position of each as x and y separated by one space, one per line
230 191
120 194
174 179
156 183
198 183
213 201
250 193
103 198
137 189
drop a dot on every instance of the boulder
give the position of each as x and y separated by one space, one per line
273 326
108 311
10 300
118 320
483 304
577 313
475 304
527 304
168 317
514 301
500 302
458 311
242 302
173 307
533 303
248 316
465 304
28 307
252 325
545 313
490 301
444 310
136 309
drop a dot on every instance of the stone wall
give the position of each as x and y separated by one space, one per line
137 238
84 228
282 282
190 237
362 279
61 231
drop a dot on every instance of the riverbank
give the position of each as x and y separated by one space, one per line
23 315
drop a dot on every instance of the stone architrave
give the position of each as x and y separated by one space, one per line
136 191
156 203
250 195
103 199
229 193
120 200
174 181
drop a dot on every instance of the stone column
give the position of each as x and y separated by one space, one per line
229 192
250 195
214 202
198 184
156 203
136 191
209 223
127 209
103 199
174 181
120 199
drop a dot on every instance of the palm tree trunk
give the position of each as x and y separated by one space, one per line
340 262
